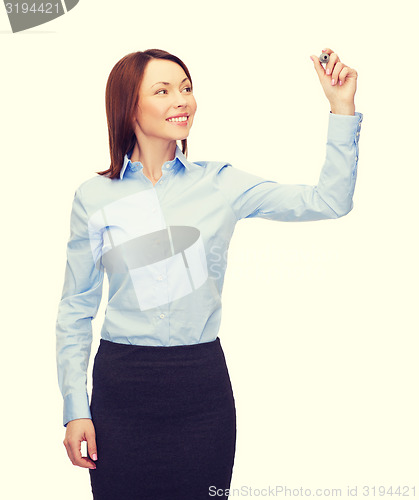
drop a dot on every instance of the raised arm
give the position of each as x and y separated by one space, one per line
253 196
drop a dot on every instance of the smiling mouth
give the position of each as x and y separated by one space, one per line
180 119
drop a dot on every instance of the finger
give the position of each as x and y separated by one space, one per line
91 445
343 74
333 59
74 452
86 463
351 74
336 72
68 450
318 66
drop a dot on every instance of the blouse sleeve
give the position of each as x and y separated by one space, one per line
252 196
80 300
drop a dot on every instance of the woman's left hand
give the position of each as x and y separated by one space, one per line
338 81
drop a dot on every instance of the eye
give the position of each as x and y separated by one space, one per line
189 89
162 90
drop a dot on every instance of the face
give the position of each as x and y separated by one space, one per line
159 101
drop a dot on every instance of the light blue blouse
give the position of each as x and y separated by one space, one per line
164 248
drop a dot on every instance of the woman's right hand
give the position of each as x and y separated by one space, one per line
79 430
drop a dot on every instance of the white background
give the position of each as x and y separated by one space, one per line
320 327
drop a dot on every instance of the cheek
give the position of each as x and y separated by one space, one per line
152 111
193 105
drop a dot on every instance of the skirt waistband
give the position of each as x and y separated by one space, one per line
159 353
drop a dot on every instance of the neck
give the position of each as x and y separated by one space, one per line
152 155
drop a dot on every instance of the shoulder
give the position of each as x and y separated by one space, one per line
209 166
94 191
92 183
226 176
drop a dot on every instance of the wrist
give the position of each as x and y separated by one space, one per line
343 108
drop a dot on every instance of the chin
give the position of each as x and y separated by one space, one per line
179 137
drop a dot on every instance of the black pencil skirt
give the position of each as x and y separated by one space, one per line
165 422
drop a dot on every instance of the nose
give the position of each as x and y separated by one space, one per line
180 100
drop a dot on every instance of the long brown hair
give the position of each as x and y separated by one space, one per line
121 100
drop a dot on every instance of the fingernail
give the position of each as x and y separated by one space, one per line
311 58
94 456
340 82
328 71
333 82
93 468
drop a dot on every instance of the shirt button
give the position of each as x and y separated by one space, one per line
161 315
357 133
356 158
159 278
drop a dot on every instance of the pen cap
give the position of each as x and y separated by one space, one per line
324 57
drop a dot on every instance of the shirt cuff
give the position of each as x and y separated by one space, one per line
76 405
344 128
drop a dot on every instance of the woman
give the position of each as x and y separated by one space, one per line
162 421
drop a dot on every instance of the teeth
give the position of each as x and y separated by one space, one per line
180 119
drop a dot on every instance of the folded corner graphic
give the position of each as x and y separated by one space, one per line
69 4
30 13
164 263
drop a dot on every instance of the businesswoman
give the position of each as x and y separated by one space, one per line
161 422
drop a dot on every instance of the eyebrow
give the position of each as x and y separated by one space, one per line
167 83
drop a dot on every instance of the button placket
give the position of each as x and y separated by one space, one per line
163 177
